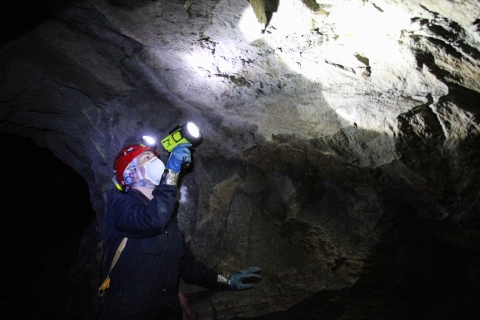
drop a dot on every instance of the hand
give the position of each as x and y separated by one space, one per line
249 274
180 155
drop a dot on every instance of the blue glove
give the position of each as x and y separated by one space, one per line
236 279
180 155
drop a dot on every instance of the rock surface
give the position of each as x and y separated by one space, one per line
341 139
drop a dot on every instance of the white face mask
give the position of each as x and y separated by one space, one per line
154 170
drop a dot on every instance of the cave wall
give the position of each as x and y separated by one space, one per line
317 117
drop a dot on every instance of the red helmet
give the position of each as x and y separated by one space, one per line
123 159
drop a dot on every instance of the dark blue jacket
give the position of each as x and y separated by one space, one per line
144 281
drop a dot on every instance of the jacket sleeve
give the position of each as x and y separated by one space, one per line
133 219
193 271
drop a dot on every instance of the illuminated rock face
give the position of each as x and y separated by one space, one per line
340 138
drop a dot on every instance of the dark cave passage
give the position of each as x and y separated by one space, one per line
46 208
19 17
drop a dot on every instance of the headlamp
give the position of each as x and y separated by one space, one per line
186 133
148 142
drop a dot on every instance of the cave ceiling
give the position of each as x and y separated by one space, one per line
323 123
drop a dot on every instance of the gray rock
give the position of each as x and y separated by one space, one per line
318 118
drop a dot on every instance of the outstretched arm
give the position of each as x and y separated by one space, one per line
193 271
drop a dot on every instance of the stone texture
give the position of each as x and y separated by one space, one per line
330 130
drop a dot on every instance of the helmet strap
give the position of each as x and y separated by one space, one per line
137 168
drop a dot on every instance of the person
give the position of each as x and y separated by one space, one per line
144 281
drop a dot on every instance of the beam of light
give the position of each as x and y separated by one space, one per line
355 38
358 29
292 15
